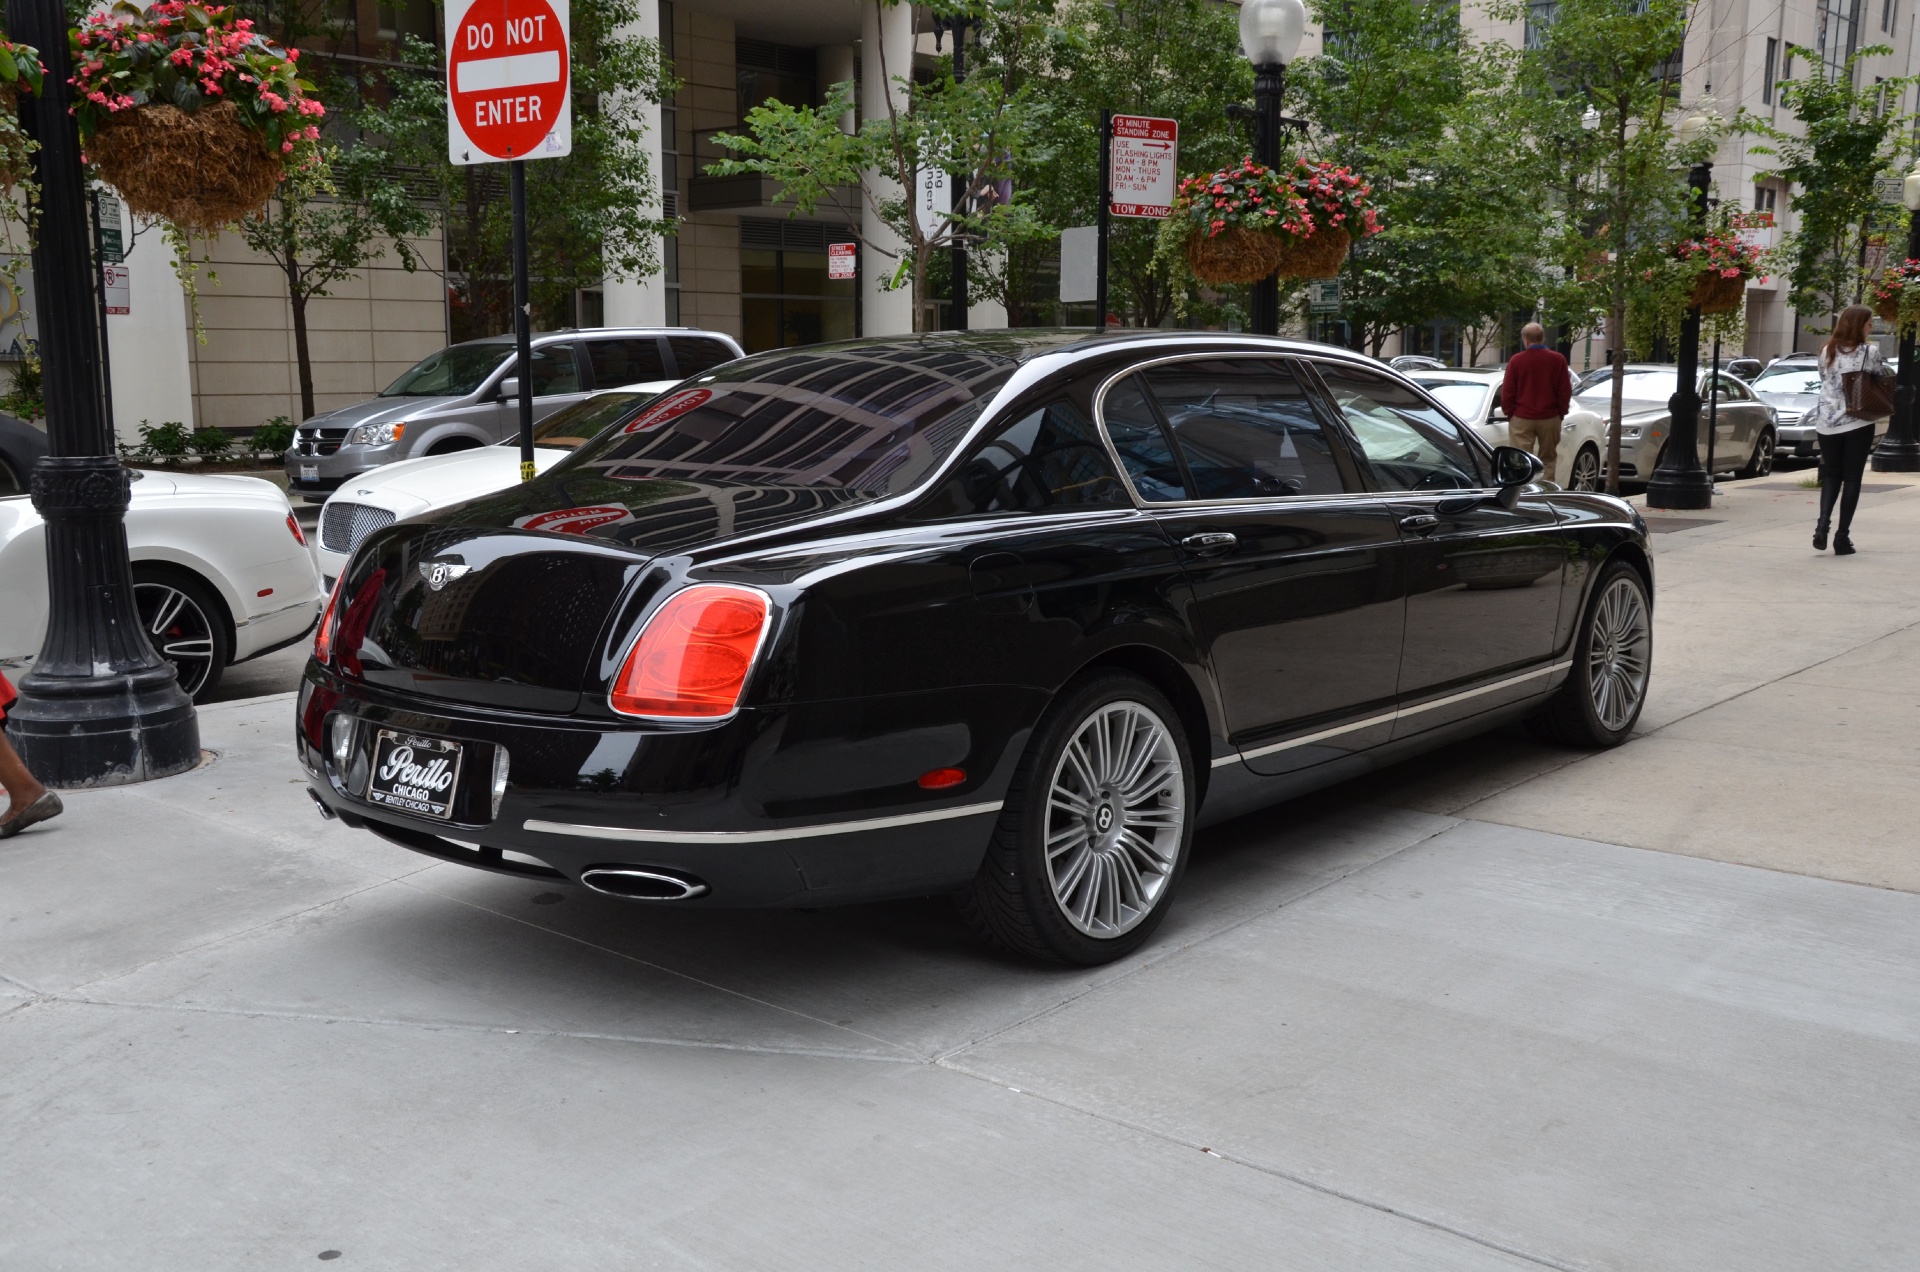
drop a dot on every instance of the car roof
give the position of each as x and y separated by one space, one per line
575 333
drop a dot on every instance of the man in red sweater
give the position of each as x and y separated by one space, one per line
1535 393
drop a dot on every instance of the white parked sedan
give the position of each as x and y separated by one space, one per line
221 573
1469 395
393 492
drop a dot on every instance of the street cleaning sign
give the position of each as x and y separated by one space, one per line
508 80
1146 156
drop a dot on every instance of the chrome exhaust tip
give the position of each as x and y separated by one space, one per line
643 883
320 804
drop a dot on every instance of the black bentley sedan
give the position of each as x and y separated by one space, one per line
1005 615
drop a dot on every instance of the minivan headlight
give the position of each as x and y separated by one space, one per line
375 434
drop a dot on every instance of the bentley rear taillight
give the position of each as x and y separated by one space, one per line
323 637
693 656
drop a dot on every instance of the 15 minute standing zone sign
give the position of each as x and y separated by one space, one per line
507 80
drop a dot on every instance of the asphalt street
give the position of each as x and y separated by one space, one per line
1505 1006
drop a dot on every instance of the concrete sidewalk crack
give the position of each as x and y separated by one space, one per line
1136 968
1277 1172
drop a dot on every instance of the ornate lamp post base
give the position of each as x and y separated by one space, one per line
1680 490
99 707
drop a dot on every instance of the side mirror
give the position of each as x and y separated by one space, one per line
1513 470
510 388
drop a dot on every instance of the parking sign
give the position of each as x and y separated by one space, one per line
1146 155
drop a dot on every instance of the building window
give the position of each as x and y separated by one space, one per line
786 297
1539 18
670 272
767 72
1768 75
1886 15
1765 198
1839 34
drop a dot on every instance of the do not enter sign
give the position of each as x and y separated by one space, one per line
507 80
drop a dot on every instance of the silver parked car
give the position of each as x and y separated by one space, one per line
465 396
1791 387
1743 436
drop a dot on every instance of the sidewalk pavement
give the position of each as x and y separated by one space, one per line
1504 1007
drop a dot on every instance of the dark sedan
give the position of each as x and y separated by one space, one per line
1004 615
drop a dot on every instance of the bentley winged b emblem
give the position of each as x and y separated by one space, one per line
440 573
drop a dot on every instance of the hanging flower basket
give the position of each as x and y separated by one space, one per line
1233 255
188 112
20 72
1713 294
1249 222
1895 297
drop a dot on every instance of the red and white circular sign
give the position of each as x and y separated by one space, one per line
507 76
669 408
576 520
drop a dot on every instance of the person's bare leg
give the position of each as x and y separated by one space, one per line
22 789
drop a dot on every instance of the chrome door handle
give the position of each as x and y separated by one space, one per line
1209 542
1419 522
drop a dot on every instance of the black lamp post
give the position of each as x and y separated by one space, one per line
1680 481
961 301
99 706
1898 451
1270 32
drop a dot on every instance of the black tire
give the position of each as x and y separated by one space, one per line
1579 714
1760 463
1015 903
453 444
187 624
1587 473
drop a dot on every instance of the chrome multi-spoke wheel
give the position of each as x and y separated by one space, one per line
1116 817
179 622
1618 653
1586 470
1094 834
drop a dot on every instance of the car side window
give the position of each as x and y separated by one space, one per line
1045 458
1146 454
694 354
554 370
1731 390
1245 428
1409 443
633 360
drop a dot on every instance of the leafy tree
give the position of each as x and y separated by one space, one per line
1603 83
324 225
588 213
971 129
1848 137
1178 59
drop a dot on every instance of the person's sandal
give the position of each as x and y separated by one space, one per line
47 806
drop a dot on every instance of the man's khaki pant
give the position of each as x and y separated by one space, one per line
1542 437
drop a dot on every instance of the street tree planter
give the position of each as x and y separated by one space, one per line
188 112
1895 295
1248 222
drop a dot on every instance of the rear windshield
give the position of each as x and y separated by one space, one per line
857 418
453 372
571 426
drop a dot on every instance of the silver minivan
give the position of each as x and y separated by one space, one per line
465 396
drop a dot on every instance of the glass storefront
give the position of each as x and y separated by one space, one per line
787 299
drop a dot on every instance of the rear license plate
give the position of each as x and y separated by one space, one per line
413 773
309 472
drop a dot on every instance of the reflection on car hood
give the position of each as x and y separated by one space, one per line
651 515
377 411
233 487
434 481
1788 401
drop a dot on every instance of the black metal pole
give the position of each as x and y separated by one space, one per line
99 706
1713 409
100 295
522 318
1269 86
1103 220
959 268
1899 450
1680 481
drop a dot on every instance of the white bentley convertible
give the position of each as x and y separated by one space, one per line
221 573
393 492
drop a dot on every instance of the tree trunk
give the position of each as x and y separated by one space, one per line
300 350
1616 330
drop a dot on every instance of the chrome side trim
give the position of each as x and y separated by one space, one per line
756 836
1387 717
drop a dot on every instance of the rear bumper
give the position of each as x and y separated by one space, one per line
689 803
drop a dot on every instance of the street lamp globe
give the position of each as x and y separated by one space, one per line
1590 118
1701 124
1270 30
1910 191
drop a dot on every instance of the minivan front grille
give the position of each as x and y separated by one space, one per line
319 441
344 525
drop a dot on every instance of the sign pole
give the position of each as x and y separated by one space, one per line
522 318
1100 239
100 295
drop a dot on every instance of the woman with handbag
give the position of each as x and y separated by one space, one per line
27 801
1855 390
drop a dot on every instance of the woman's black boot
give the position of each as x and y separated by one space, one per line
1820 537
